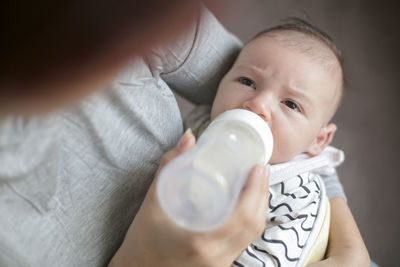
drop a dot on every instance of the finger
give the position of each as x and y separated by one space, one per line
264 202
186 143
255 189
251 210
252 204
251 207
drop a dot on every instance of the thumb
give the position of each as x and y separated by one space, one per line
185 144
253 202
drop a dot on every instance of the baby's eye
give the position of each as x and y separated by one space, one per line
292 105
247 82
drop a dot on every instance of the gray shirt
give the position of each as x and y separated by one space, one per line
71 182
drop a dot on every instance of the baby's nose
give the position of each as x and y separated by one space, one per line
258 106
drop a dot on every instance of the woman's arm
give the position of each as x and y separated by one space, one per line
154 240
194 64
346 246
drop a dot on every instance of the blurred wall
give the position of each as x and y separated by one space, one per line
368 34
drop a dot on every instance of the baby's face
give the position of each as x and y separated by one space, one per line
293 92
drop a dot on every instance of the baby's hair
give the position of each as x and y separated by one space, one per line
306 29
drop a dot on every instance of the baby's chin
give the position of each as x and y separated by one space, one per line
273 162
277 158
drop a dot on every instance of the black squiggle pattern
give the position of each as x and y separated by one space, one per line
301 180
286 194
273 256
306 189
270 198
255 257
286 251
238 264
283 244
316 184
282 205
295 231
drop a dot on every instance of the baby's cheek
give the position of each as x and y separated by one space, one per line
285 148
280 152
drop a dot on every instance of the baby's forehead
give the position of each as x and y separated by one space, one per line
311 47
299 42
303 43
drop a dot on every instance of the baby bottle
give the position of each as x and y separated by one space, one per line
199 189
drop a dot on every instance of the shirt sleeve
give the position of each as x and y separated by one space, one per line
194 63
333 186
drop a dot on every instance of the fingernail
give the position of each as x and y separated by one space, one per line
263 170
183 141
260 170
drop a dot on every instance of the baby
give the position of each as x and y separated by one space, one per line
292 77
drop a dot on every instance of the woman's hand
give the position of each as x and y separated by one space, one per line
154 240
346 246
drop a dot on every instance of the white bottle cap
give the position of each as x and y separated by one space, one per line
255 122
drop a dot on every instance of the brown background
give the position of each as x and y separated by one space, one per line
368 34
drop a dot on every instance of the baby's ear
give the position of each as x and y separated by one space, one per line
323 139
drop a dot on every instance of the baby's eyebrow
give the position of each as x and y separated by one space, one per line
251 68
299 93
257 72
